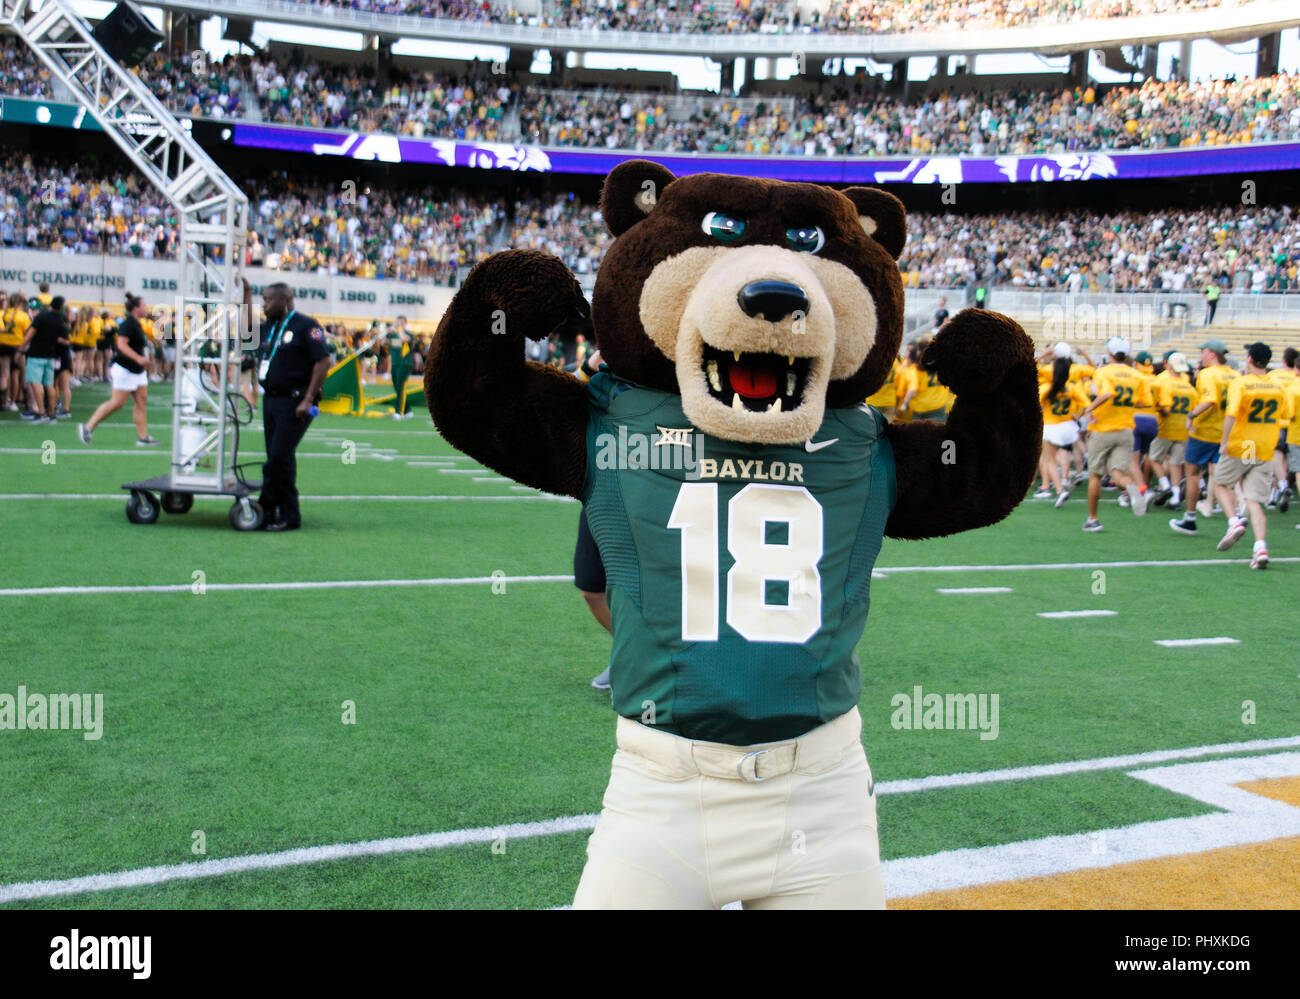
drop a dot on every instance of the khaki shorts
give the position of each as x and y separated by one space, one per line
1163 449
1109 452
700 824
1256 477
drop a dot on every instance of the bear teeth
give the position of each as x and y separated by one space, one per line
736 355
790 382
790 360
736 403
775 407
714 379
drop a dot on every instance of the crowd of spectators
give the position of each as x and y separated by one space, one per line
845 119
783 16
432 234
564 227
1253 249
295 223
1151 115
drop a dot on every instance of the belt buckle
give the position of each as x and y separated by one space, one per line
740 767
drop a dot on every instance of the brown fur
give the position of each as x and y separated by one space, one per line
529 422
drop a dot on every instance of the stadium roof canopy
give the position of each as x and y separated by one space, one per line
1223 24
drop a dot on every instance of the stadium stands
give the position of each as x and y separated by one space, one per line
428 234
840 121
782 16
300 224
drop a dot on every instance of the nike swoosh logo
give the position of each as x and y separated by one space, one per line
810 447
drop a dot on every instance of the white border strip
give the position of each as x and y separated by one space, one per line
1246 818
967 590
1081 766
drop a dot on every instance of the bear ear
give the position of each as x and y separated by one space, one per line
631 191
882 216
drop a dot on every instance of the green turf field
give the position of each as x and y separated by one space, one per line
224 708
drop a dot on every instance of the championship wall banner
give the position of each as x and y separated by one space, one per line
85 279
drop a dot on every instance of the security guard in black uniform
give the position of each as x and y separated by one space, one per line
293 358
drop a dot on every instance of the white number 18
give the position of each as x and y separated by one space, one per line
749 512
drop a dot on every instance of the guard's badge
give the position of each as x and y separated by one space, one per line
288 337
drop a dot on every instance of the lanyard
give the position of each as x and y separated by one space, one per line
278 336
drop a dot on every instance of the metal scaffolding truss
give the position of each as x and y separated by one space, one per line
212 212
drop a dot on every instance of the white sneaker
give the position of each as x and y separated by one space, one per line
1205 508
1123 500
1043 494
1236 528
1259 560
1138 499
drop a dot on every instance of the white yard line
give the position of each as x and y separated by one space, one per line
1182 643
1062 615
327 584
452 581
903 877
289 858
972 589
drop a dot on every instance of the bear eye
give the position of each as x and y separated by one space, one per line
806 239
722 227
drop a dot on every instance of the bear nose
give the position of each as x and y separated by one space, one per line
774 300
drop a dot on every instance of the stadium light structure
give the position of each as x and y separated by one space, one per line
213 222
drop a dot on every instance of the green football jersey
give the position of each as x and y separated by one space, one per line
738 575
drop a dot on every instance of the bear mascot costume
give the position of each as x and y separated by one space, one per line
738 490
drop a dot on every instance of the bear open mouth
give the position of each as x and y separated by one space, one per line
757 383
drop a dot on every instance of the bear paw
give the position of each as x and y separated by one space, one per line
525 293
975 350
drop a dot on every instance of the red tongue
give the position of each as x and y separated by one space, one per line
752 383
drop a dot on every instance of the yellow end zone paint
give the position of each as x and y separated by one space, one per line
1285 789
1260 876
1255 876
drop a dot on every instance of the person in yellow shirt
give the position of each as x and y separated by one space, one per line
1175 395
1283 377
1059 399
901 379
1080 373
1120 390
1292 392
1256 405
95 333
1145 425
105 345
885 399
13 327
1205 426
924 397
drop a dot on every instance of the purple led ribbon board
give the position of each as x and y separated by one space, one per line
1035 167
